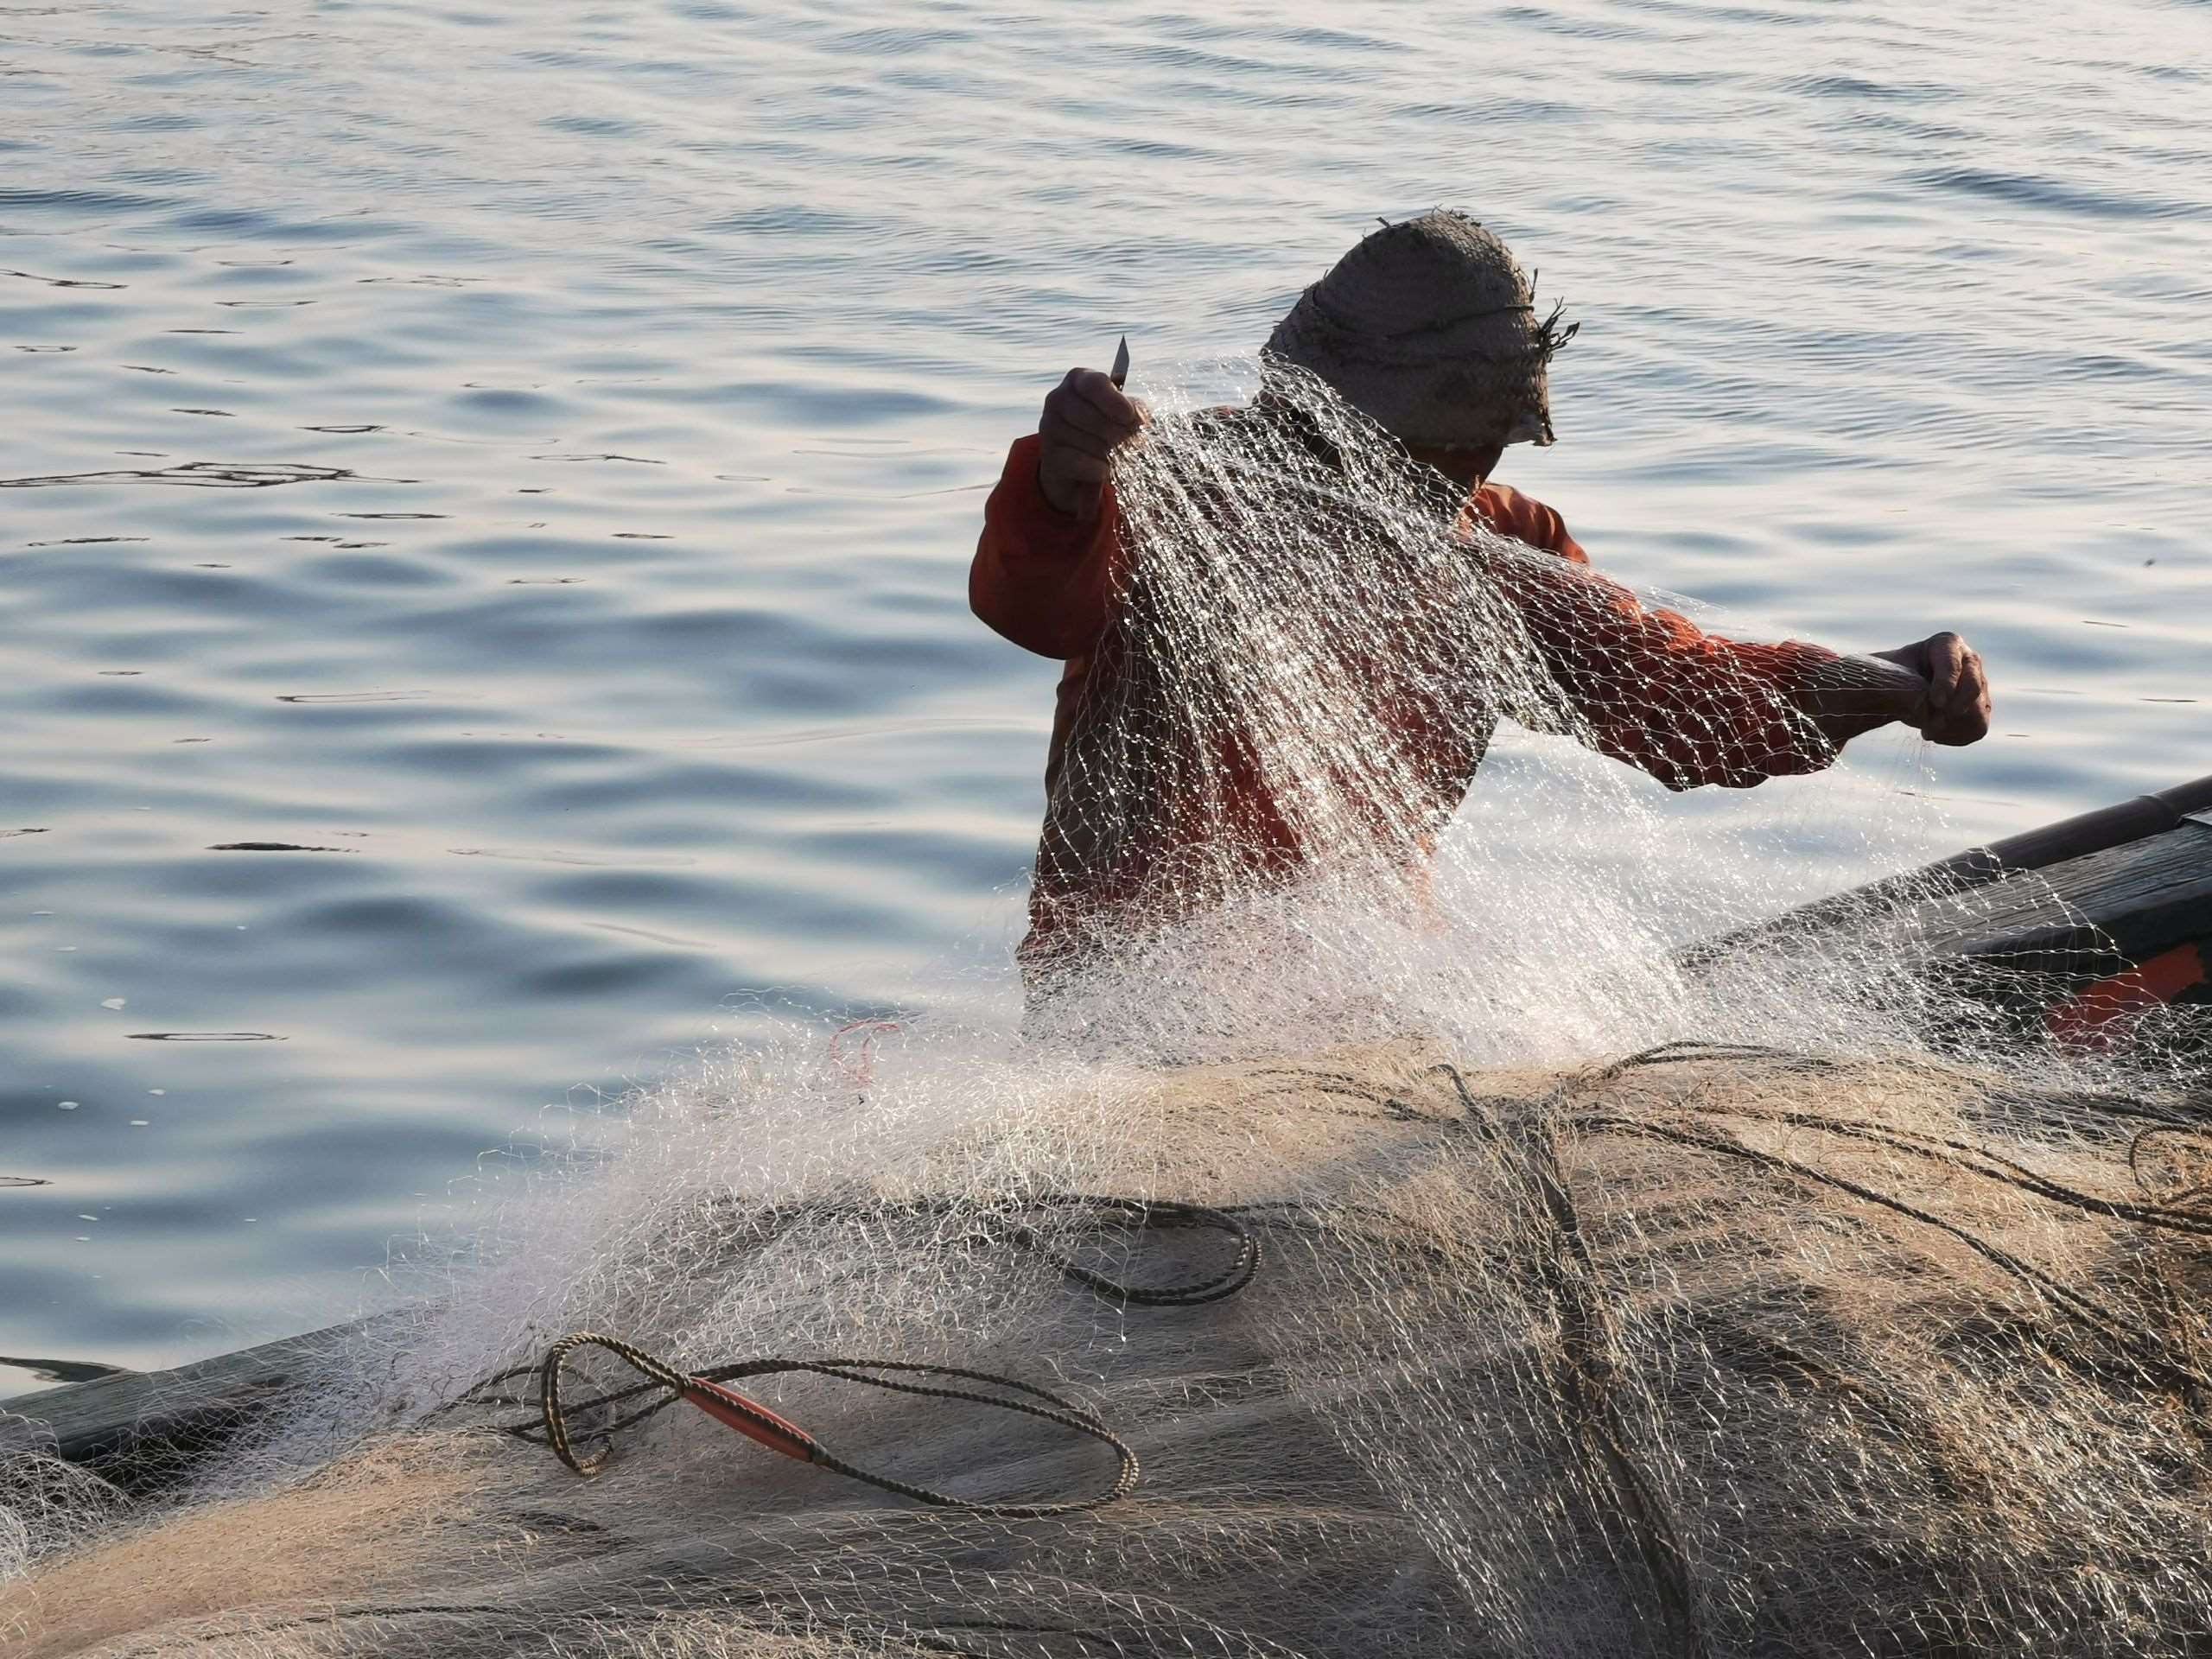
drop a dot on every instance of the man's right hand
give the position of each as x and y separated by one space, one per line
1955 711
1086 419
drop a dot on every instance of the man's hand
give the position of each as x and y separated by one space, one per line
1956 708
1086 419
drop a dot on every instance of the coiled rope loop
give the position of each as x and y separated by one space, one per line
706 1391
1155 1215
1016 1221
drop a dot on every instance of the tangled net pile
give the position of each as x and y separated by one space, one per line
1360 1304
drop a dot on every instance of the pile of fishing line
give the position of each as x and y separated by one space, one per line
1702 1352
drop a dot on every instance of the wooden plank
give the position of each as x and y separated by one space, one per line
141 1428
2128 903
2036 849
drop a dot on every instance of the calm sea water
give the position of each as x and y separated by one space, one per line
521 461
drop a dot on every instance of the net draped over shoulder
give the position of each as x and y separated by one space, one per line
1643 685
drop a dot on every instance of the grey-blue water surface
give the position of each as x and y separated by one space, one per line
521 460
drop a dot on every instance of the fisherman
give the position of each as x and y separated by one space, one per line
1429 327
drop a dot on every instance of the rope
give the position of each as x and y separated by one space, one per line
2151 1358
1588 1375
1590 1380
749 1417
1158 1215
1003 1224
706 1391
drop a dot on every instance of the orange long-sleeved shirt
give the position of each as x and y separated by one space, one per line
1650 687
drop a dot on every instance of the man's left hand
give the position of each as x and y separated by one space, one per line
1958 690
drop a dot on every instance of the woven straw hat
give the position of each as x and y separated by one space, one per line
1429 327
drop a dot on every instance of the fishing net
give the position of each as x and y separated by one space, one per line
1251 824
1377 1243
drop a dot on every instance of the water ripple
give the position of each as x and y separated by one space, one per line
2055 195
196 474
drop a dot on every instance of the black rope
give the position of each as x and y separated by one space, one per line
1970 1156
1002 1223
1153 1215
1590 1381
2154 1364
1589 1384
1977 1160
552 1426
1692 1051
1588 1370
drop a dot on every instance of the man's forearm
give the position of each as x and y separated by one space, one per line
1853 695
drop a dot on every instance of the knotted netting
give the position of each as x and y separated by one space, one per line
1312 643
1398 1250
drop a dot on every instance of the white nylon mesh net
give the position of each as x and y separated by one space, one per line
1451 1330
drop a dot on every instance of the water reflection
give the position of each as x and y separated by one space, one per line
197 475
